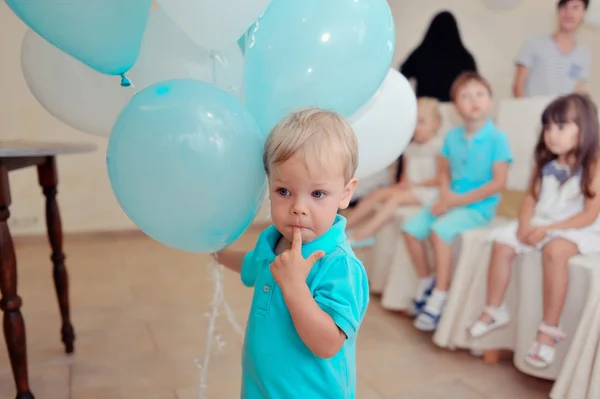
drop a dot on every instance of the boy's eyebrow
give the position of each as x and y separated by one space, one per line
317 183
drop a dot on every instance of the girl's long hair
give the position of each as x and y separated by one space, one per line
580 109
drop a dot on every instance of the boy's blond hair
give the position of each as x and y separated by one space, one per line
316 132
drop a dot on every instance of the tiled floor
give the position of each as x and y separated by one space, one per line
139 310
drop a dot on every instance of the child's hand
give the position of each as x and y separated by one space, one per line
523 232
403 185
439 208
451 199
446 202
536 235
290 269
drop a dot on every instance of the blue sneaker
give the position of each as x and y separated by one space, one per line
417 306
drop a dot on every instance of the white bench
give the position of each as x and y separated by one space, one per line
392 273
524 300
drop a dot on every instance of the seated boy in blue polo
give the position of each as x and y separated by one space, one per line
473 169
310 291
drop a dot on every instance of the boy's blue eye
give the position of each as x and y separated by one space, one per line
318 194
283 192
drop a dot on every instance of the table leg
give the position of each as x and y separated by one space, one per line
48 179
14 325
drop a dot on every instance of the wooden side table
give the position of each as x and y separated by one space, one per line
16 155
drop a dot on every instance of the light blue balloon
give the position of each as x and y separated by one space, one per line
332 54
104 34
185 163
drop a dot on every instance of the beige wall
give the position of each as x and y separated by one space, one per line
492 36
86 199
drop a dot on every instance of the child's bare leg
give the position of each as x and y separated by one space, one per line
443 262
418 255
498 276
429 317
555 259
397 198
366 206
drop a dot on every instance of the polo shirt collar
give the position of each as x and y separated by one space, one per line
265 247
483 132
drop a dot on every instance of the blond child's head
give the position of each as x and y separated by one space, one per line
428 119
471 95
310 158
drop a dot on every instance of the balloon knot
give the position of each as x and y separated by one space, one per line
125 82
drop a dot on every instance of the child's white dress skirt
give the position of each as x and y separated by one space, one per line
587 240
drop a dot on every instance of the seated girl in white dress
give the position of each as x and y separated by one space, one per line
559 217
418 182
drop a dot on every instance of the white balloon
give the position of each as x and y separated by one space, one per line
90 101
385 125
168 53
70 90
502 3
214 24
592 16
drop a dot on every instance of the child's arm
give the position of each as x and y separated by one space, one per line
325 318
231 259
443 174
496 185
528 205
590 210
526 211
433 182
334 311
316 328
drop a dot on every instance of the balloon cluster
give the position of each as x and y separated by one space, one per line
205 82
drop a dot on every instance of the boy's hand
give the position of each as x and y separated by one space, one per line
290 269
447 201
451 199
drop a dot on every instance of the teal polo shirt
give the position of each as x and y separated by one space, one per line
472 159
276 364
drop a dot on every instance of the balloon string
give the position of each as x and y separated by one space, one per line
218 300
231 317
218 63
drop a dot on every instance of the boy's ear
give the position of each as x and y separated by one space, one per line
348 193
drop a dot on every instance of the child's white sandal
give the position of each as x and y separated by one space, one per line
499 316
542 355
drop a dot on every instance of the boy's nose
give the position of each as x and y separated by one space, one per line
299 208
